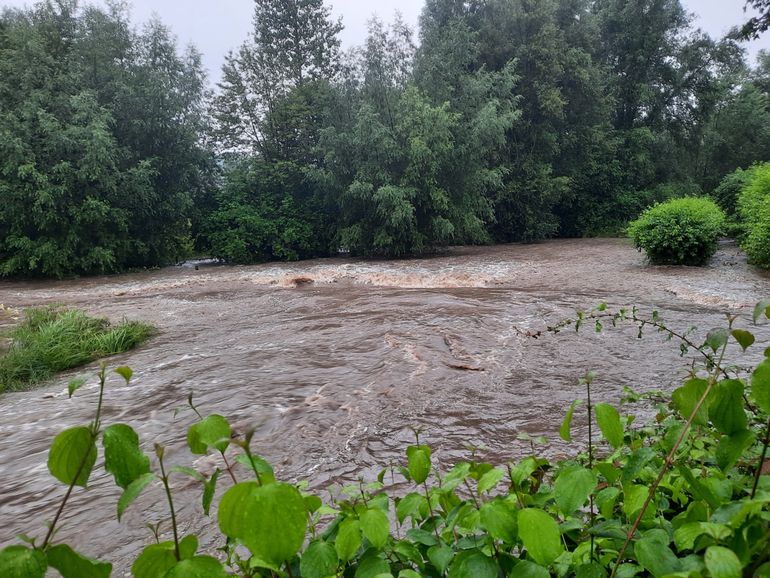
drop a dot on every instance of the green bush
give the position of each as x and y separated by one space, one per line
679 231
729 189
52 340
754 211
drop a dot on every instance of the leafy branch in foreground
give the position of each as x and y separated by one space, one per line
685 495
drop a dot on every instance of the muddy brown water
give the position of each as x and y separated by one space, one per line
333 372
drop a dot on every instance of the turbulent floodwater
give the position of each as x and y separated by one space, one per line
335 370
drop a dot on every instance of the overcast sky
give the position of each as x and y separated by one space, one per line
218 26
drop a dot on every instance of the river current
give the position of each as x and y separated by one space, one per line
334 362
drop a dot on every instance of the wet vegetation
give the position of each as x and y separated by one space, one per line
50 340
686 495
537 119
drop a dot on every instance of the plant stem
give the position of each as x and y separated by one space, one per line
229 468
590 457
761 463
247 449
166 486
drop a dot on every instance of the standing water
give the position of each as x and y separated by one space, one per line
334 362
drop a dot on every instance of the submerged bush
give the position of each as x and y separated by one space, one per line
754 211
679 231
51 340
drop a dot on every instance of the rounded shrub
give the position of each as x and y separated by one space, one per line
754 212
679 232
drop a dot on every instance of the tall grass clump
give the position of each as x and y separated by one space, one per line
679 232
51 340
754 211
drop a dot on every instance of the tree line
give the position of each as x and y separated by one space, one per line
499 121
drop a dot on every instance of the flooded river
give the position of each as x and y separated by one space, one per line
333 362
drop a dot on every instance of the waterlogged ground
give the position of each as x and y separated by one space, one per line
334 362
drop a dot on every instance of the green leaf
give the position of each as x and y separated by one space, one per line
472 564
440 556
731 448
654 554
609 422
489 480
408 573
348 539
70 564
72 456
763 307
372 566
209 487
540 535
263 467
717 338
760 385
499 517
744 338
408 506
22 562
75 384
122 456
685 398
527 569
375 526
722 563
319 560
198 567
572 488
726 407
565 431
252 513
212 431
132 492
418 458
154 561
124 372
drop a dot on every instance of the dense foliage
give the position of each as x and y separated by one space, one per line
513 121
754 211
679 232
685 495
50 340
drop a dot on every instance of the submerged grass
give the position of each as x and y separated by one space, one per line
52 339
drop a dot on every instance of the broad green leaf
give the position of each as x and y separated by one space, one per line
212 431
418 463
685 399
122 456
726 407
72 456
527 569
456 476
408 573
762 308
372 566
636 463
540 535
489 480
75 384
591 570
609 422
198 567
441 556
472 564
654 554
565 431
319 560
731 448
263 467
408 506
760 385
132 492
717 338
572 488
499 517
70 564
124 372
252 513
686 534
606 500
154 561
744 338
634 496
722 563
375 526
209 487
348 539
22 562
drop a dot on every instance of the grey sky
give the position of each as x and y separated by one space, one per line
218 26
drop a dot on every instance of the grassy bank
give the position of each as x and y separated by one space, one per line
51 340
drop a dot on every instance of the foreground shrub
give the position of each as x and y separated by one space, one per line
754 211
679 231
51 340
684 496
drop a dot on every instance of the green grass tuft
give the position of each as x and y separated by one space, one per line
52 340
